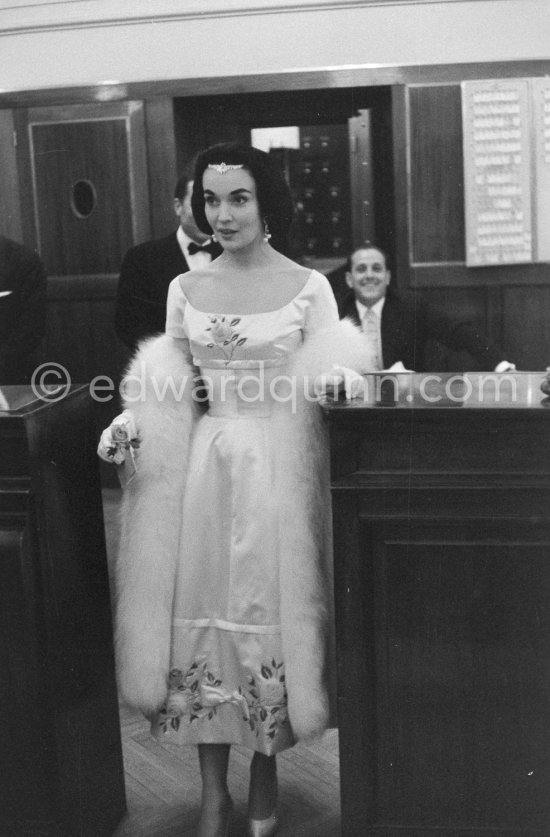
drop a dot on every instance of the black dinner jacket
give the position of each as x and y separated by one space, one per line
22 312
145 275
408 322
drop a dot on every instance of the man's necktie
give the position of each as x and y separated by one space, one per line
371 328
210 247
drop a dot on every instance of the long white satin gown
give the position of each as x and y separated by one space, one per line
227 679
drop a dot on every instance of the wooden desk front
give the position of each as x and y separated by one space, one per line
60 751
442 583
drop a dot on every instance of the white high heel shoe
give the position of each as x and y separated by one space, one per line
263 828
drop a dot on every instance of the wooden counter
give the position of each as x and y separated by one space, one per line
60 751
441 507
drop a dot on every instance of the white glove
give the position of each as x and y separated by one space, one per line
397 368
505 366
338 379
121 436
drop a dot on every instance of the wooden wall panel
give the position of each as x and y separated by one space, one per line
69 337
526 325
81 331
429 186
466 304
401 268
24 169
10 217
162 165
441 535
81 337
511 299
437 194
383 172
462 656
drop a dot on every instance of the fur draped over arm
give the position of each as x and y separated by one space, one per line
305 527
159 386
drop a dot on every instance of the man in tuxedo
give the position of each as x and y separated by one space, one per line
148 269
398 324
23 287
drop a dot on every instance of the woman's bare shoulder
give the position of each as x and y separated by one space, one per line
188 281
296 275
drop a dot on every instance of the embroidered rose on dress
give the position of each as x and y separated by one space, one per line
224 335
267 700
221 330
270 688
194 693
178 703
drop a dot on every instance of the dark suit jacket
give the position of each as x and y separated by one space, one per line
145 275
408 322
22 313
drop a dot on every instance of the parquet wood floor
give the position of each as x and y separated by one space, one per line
163 786
163 782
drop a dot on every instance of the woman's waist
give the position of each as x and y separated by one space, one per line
239 410
240 399
239 392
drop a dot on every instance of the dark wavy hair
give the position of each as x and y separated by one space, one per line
272 191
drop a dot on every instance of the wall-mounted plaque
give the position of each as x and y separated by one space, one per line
497 171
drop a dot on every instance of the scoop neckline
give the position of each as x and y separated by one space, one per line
253 313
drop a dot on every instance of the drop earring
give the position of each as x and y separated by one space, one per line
267 234
213 238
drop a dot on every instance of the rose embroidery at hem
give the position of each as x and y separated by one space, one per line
197 694
267 700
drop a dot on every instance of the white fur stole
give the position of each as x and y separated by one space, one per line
159 394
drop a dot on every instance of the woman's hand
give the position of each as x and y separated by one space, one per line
121 436
339 379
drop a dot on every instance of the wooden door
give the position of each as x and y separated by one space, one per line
89 184
85 167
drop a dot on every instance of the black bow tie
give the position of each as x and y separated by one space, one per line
209 247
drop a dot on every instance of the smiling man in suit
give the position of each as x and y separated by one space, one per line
148 269
398 324
23 287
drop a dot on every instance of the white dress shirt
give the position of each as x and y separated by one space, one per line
196 260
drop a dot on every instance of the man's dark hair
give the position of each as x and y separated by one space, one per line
181 186
367 247
272 191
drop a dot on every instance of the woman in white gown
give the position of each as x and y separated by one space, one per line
224 569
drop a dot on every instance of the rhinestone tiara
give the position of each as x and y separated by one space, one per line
223 168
